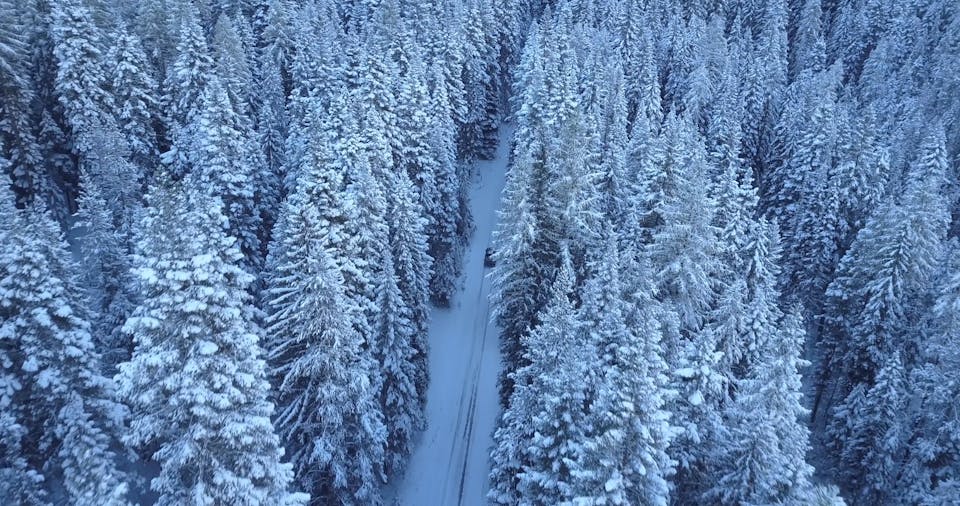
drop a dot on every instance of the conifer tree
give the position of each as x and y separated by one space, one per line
20 480
188 75
62 408
766 463
272 132
536 457
625 455
931 461
82 80
808 47
233 66
448 218
106 262
328 414
223 162
882 284
196 383
684 252
876 442
19 145
135 96
520 267
412 264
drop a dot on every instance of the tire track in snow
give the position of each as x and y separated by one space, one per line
480 322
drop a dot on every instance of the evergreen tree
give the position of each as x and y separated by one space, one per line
874 303
328 412
684 252
272 131
135 95
448 215
481 72
18 143
106 263
62 410
233 66
808 47
407 327
538 444
815 228
931 460
196 383
766 463
20 481
521 267
625 455
876 440
188 75
223 162
399 396
82 80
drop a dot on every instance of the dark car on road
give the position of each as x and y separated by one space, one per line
488 258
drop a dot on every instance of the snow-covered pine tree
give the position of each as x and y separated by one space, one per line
482 71
748 308
449 216
273 24
334 156
932 461
364 155
572 150
157 26
685 265
21 481
398 395
538 443
410 263
188 75
876 441
519 272
328 414
815 228
625 452
610 110
418 157
272 131
18 141
135 96
106 277
524 249
807 45
196 383
878 296
62 406
684 255
232 63
82 80
223 163
765 460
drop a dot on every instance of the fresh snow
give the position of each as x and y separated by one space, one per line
451 461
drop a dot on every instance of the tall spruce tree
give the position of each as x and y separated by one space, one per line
537 447
196 383
766 459
61 408
328 414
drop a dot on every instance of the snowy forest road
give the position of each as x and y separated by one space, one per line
451 461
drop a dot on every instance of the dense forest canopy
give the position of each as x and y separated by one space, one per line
726 267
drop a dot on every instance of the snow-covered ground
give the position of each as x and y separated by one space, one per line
450 463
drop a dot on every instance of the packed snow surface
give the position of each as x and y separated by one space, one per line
450 463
